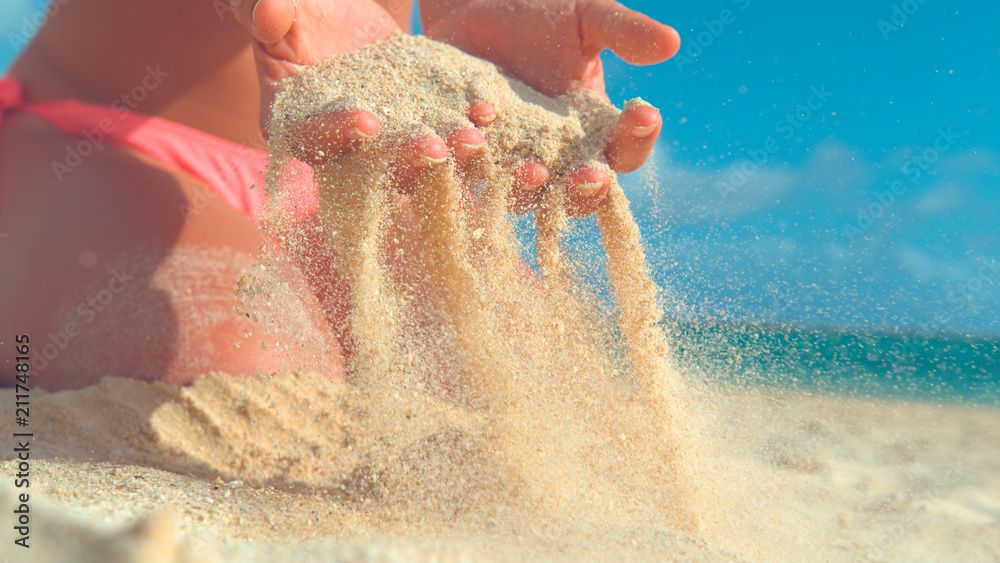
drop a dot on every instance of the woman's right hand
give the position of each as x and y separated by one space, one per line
288 34
291 33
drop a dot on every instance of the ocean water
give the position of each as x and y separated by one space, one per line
853 362
860 361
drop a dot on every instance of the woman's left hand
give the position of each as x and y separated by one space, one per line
554 46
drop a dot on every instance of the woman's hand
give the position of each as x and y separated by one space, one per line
554 46
288 34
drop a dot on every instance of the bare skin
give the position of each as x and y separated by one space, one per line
66 240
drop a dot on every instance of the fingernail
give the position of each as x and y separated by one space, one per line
588 188
641 132
470 148
424 161
530 180
486 119
253 16
356 133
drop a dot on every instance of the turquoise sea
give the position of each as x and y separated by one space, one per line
939 368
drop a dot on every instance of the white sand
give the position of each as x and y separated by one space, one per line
802 479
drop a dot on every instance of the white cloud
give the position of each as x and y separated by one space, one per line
693 193
945 197
918 262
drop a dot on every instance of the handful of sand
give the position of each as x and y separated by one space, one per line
417 86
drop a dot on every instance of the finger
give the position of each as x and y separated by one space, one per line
328 135
585 188
526 192
635 37
465 144
482 113
267 20
415 157
633 138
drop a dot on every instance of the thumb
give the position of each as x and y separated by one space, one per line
267 20
635 37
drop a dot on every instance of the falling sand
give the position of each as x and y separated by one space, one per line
485 389
491 411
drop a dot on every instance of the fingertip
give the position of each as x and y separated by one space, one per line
466 143
532 174
528 180
588 180
635 37
641 122
270 20
671 42
650 43
414 158
364 125
587 187
482 113
633 138
429 151
328 135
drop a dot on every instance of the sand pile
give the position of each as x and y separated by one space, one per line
806 479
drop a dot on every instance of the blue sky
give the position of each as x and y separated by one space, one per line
821 163
784 120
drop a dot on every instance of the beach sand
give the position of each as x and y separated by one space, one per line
235 470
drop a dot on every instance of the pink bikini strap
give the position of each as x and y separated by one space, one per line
11 96
231 170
